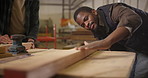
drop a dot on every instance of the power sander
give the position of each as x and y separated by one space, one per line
17 47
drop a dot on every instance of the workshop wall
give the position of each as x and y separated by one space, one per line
141 4
53 8
55 12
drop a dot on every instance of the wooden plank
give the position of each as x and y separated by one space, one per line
10 57
105 64
3 55
3 52
42 64
2 49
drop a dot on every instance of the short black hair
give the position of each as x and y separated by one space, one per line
82 9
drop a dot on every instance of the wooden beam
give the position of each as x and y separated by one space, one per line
43 64
105 64
10 57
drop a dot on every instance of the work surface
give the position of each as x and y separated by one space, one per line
101 64
45 63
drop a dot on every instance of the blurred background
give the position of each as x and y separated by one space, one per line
57 27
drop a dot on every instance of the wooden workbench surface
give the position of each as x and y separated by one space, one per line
105 64
45 63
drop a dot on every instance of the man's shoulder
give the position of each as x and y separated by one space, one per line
113 4
105 7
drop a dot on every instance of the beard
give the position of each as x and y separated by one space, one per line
100 32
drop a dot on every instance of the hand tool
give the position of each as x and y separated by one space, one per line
17 46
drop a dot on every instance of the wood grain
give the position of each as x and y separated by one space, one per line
46 63
11 57
42 64
104 64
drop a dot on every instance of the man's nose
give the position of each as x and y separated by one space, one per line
86 24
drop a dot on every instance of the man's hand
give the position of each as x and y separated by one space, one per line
85 43
95 45
5 39
86 46
32 43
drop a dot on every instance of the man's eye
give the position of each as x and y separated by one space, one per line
86 18
83 25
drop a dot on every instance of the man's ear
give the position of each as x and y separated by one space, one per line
94 12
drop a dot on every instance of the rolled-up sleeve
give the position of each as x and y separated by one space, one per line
124 16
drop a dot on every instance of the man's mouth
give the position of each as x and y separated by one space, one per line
91 26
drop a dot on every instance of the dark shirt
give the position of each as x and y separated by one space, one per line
135 20
123 16
31 17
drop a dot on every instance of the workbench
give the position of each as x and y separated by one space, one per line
101 64
46 63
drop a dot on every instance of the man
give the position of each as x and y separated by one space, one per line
19 17
118 23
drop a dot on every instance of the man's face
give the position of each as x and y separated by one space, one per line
87 20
